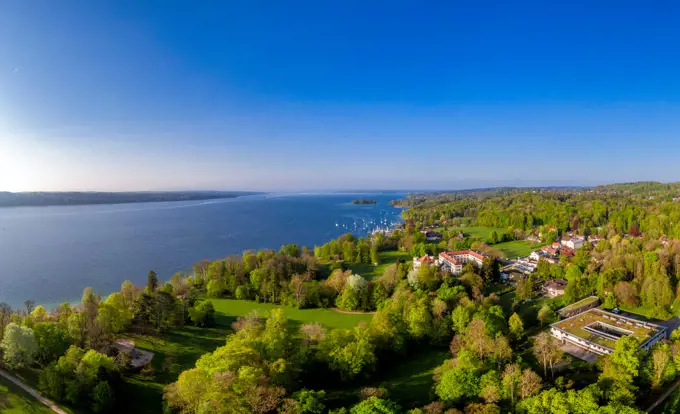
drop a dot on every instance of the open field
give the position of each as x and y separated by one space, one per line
408 381
14 400
369 271
229 309
516 248
482 232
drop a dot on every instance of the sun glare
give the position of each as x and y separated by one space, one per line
16 171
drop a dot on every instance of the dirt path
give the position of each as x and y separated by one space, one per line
49 404
338 310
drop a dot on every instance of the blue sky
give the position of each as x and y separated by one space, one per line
303 95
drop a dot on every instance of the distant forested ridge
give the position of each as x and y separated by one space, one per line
79 198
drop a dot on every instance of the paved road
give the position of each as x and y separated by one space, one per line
672 324
33 392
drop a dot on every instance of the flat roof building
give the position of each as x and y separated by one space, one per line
597 331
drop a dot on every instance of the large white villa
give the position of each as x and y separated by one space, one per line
453 262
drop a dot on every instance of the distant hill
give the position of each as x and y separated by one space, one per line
641 187
80 198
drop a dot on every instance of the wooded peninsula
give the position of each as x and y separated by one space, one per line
508 300
26 199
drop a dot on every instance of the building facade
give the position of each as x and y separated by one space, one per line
453 262
425 260
554 287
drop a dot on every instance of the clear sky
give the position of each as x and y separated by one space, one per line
304 95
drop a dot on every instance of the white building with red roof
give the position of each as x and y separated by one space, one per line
425 260
573 242
453 262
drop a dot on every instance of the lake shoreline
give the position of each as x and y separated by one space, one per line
50 254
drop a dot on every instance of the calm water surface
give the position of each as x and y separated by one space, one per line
49 254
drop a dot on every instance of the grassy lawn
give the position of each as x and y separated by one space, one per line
15 400
174 352
645 311
582 302
179 350
29 376
229 309
516 248
482 232
368 271
408 381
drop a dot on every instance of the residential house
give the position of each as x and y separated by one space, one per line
573 242
432 236
533 238
567 251
595 238
554 287
526 265
550 251
425 260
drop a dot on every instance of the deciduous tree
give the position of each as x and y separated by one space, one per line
516 326
18 345
547 351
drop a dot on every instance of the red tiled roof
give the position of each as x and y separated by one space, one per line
567 251
549 250
450 255
446 256
469 252
557 284
426 259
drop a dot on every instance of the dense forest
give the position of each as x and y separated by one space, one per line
501 357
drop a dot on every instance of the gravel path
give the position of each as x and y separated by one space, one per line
33 392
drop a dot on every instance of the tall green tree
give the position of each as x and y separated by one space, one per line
18 345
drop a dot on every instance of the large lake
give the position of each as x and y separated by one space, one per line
49 254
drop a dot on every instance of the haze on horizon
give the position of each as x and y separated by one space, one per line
262 95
